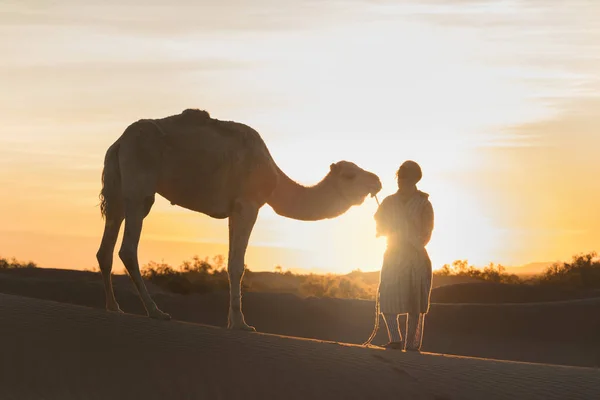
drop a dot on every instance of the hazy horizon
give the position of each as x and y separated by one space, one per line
497 100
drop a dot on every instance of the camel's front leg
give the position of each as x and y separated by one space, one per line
241 222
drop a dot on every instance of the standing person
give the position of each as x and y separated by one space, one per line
406 219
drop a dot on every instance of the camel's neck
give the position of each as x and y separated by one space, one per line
322 201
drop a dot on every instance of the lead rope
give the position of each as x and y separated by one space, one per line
376 199
377 306
376 327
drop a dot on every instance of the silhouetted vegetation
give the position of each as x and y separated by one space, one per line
200 276
350 286
194 276
578 277
13 264
583 272
492 273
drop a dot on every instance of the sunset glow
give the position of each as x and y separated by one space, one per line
497 101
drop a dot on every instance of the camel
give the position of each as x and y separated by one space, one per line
222 169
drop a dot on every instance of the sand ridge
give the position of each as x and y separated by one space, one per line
53 350
560 332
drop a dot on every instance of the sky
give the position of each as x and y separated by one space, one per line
497 100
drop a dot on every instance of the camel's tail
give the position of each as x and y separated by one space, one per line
111 181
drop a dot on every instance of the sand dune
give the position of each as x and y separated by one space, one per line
490 293
554 332
52 350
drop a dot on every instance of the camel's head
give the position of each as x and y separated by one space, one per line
353 182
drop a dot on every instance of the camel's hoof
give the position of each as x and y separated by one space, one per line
242 327
413 350
114 309
157 314
248 328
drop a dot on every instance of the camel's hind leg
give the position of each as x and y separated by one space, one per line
135 212
105 256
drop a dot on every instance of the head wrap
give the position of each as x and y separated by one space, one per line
410 170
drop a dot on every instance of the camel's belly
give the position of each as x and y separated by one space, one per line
206 172
214 192
197 193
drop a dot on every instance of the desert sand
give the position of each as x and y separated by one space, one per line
53 350
553 332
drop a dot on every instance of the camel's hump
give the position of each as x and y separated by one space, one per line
196 113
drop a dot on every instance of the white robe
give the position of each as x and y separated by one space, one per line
406 274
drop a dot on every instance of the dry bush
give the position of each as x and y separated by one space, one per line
491 273
14 264
193 276
583 272
338 286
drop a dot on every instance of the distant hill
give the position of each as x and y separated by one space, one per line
533 268
273 282
503 293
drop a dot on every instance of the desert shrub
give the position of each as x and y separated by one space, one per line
491 273
338 286
583 272
14 264
192 276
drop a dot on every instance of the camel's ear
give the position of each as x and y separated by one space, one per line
333 167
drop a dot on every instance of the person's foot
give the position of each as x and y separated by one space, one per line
394 345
